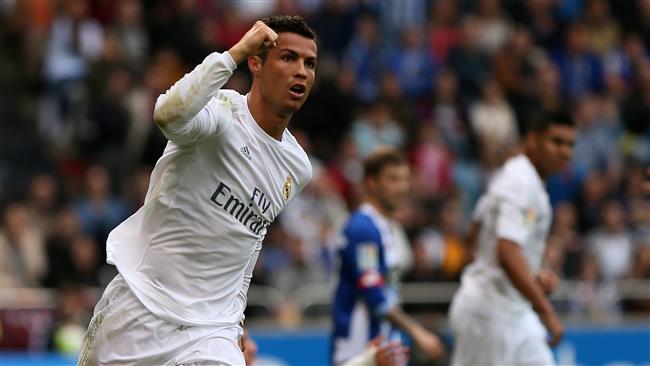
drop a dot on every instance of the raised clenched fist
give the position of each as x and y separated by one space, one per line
259 38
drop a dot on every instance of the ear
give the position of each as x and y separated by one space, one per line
532 139
371 184
255 65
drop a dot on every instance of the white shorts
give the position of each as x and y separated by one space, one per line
124 332
484 339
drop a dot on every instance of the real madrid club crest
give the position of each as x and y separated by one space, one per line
286 190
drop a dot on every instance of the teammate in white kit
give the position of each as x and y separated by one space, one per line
186 258
495 316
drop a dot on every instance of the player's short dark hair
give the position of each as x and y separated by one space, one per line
288 23
541 121
381 158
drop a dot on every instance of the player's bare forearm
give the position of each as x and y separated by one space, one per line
401 320
514 264
512 260
428 342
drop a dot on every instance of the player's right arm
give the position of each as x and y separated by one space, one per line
182 112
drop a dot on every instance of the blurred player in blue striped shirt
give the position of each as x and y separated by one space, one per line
366 300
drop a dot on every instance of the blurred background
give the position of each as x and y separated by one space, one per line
451 83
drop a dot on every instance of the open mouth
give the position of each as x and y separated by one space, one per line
297 90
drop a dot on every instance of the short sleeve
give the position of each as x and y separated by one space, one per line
514 222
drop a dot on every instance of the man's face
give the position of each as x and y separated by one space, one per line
287 74
555 147
392 185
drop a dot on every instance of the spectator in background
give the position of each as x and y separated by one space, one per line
346 170
636 116
545 26
596 144
376 127
443 28
601 31
610 244
395 16
111 120
98 210
404 109
131 32
580 70
84 255
470 63
66 230
412 64
565 241
432 163
449 116
138 185
593 298
494 124
23 260
516 65
41 202
334 22
75 41
548 87
440 252
493 26
592 199
363 57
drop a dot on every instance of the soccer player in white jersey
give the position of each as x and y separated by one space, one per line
185 259
499 313
366 303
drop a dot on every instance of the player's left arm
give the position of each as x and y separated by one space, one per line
513 231
512 260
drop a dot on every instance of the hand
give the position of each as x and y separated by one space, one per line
250 353
392 353
428 342
259 38
554 326
243 341
548 280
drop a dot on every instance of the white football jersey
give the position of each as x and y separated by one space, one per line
516 207
188 253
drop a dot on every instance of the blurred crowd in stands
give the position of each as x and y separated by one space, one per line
450 82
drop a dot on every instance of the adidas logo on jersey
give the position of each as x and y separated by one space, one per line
244 150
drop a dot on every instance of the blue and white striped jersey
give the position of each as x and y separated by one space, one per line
369 258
